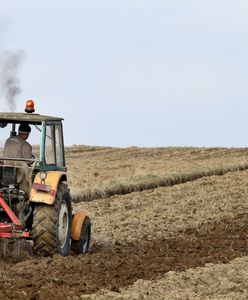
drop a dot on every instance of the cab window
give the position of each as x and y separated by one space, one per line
49 146
59 146
54 154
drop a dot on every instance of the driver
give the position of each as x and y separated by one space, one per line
17 146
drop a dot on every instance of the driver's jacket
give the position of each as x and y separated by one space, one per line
16 147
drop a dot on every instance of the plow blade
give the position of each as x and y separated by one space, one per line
13 243
10 249
15 249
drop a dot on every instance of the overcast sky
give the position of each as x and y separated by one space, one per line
132 73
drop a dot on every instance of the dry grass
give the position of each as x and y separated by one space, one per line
154 182
98 172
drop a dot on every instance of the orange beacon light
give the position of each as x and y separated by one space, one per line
29 106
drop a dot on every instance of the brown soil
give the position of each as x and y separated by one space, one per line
121 265
147 241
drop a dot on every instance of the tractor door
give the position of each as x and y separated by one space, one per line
52 148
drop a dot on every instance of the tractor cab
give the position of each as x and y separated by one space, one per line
48 153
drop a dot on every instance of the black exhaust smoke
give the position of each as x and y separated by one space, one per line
10 62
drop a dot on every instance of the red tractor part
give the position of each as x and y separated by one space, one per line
11 230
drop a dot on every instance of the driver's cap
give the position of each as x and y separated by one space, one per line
24 128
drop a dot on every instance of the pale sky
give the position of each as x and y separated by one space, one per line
133 73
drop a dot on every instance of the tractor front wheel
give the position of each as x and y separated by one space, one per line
81 246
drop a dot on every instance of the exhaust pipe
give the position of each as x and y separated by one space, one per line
13 132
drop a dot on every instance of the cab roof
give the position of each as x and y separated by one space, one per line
31 118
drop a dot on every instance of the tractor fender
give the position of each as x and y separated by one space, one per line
77 223
45 192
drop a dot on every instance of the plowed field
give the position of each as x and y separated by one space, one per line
185 241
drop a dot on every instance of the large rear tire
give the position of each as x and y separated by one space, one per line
51 228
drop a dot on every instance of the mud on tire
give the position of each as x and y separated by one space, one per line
51 229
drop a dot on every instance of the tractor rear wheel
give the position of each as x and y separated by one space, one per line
51 228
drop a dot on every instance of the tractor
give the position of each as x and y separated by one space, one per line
40 211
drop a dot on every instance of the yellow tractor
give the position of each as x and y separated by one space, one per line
35 201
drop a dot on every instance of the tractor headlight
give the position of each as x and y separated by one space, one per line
43 176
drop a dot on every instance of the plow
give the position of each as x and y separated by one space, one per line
35 201
11 230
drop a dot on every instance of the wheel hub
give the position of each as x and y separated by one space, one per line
63 224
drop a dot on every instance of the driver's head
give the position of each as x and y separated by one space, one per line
24 130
